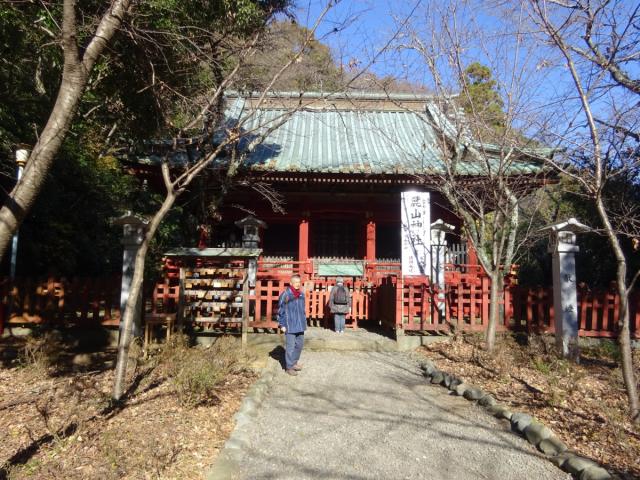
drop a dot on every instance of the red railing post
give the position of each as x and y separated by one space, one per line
399 303
616 314
530 299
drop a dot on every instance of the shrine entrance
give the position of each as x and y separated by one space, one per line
335 239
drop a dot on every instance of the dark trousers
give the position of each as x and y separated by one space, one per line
293 348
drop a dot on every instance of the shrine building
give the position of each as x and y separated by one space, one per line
336 172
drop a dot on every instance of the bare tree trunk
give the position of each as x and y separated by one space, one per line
129 314
24 194
494 309
75 75
624 336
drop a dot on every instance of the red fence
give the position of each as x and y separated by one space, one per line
521 309
268 290
409 304
60 301
598 311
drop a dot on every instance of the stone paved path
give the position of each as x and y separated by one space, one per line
369 415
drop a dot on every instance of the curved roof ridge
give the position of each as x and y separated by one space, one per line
346 95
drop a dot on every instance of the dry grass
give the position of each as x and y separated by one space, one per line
584 404
196 373
39 354
175 418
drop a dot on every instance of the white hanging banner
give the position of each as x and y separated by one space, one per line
416 233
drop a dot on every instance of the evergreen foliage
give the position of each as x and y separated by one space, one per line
134 94
481 97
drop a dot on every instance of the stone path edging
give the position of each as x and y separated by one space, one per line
523 424
226 465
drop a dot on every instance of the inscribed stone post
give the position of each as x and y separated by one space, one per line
133 229
565 300
439 231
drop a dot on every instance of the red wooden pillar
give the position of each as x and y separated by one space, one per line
303 243
370 248
370 254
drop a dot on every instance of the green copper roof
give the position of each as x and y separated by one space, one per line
348 140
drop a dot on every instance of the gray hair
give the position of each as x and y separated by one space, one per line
339 280
294 276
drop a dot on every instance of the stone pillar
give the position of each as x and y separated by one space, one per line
133 230
565 299
439 229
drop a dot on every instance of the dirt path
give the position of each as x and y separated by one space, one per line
361 415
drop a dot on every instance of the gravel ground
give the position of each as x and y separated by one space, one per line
369 415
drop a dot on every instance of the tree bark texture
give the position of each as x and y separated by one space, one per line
600 177
494 309
75 76
129 314
624 334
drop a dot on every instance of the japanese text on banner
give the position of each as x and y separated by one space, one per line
416 234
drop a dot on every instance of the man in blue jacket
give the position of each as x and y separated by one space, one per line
293 322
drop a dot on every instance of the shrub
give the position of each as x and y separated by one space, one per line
606 349
541 366
197 372
41 352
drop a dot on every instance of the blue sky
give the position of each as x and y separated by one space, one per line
370 24
364 27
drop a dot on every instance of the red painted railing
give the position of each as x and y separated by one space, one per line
267 293
407 304
60 301
598 311
521 309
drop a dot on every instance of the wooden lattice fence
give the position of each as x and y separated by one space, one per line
407 304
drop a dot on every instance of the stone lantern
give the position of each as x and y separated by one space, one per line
565 299
133 231
251 231
439 230
251 239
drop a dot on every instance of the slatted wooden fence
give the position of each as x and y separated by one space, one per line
409 304
521 309
268 290
598 311
61 301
